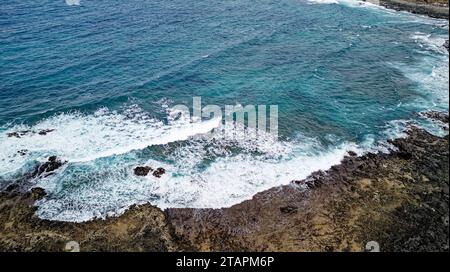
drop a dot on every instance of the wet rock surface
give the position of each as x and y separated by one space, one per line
21 133
436 115
400 200
24 182
145 170
49 166
159 172
45 131
142 170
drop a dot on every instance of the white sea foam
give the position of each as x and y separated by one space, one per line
202 169
323 1
351 3
431 42
73 2
107 188
231 180
432 75
79 138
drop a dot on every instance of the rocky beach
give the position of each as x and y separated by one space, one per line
399 200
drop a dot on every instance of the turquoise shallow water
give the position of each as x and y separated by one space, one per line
104 75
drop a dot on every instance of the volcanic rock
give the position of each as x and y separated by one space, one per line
159 172
49 166
288 209
38 193
142 170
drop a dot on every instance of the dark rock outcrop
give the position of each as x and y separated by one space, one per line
45 131
436 115
435 9
142 170
18 134
24 182
159 172
21 133
38 193
49 166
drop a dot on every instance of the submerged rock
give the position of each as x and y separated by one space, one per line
142 170
446 44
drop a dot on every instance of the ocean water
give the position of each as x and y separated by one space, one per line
346 75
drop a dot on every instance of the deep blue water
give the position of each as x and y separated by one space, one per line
102 74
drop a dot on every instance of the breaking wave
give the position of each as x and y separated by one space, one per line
202 169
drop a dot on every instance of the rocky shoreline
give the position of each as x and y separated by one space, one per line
399 200
433 8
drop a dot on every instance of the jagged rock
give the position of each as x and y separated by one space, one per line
142 170
23 182
13 134
436 115
159 172
19 134
45 131
38 193
352 153
51 165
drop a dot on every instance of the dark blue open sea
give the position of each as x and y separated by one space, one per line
104 74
